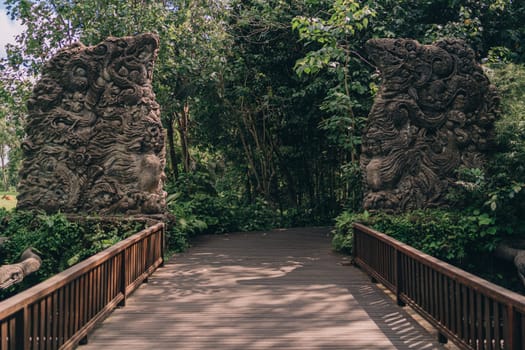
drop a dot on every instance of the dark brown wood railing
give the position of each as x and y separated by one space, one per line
59 312
470 311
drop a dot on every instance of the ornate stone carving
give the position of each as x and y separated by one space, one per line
15 273
434 114
95 143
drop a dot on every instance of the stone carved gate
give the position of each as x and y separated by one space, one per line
433 115
95 143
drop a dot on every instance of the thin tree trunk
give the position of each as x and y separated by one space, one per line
171 148
183 122
4 170
292 193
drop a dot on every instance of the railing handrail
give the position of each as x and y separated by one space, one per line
19 301
490 289
465 308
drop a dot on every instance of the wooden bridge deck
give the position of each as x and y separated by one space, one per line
281 289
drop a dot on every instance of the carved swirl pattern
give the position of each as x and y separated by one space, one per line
95 143
434 113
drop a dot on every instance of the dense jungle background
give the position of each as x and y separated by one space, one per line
263 103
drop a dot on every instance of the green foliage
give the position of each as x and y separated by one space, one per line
446 234
343 232
199 208
61 243
505 193
278 91
339 39
14 91
499 189
483 24
333 39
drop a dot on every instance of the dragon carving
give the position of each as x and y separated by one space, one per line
433 115
95 142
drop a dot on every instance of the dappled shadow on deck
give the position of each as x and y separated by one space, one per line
282 289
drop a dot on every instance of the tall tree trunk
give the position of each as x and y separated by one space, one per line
183 124
174 161
4 170
292 193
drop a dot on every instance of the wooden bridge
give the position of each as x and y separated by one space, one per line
281 289
265 290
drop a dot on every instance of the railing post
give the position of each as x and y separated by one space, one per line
22 329
354 245
123 282
512 338
399 279
162 243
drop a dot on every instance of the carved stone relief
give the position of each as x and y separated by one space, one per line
433 114
15 273
95 142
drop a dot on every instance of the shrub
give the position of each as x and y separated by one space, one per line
60 242
446 234
199 208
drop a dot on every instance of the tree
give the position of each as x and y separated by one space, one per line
339 38
265 121
14 90
483 24
190 35
190 66
275 91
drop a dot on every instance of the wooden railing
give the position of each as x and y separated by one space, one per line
470 311
59 312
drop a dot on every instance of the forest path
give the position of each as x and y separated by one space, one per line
279 289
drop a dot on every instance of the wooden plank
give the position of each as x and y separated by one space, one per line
520 333
92 291
488 324
76 305
35 326
497 333
49 322
82 300
4 334
54 321
98 290
447 305
472 317
452 301
67 312
465 314
268 290
41 325
61 315
12 335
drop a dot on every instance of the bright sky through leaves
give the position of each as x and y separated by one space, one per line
8 29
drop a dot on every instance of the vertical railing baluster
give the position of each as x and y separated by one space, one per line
162 243
511 341
22 329
399 278
123 279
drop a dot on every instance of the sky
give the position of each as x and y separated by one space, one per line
8 29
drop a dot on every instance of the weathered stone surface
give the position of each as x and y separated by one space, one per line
434 114
95 142
15 273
